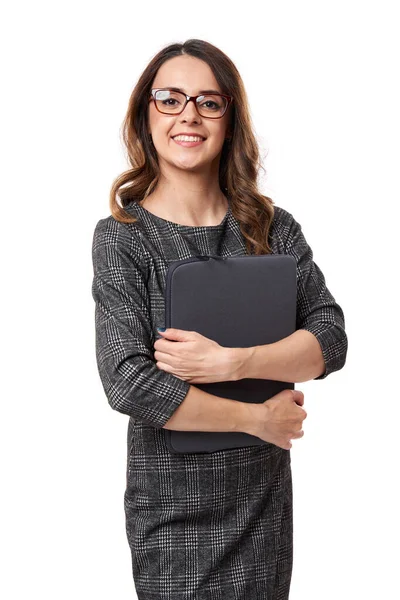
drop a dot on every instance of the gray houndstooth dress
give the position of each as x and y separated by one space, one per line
200 526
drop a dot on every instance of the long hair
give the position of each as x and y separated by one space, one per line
239 161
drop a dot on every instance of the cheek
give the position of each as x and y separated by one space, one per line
217 137
216 142
158 126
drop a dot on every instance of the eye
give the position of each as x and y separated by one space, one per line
165 102
210 102
213 103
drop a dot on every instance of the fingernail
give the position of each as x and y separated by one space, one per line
161 328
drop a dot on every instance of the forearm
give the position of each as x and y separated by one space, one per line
200 411
295 359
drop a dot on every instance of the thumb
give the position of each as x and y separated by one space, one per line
175 334
298 397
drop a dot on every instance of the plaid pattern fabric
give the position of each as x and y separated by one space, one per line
199 526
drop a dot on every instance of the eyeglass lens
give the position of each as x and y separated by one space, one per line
171 102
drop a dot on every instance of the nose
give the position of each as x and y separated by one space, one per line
190 111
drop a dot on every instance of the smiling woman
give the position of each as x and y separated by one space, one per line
199 525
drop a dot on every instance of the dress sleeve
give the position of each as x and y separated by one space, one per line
130 377
317 310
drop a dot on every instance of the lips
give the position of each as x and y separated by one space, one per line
189 135
188 144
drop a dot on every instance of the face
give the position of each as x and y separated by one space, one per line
191 75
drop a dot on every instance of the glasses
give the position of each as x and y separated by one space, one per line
169 102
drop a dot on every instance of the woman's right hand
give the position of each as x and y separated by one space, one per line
280 418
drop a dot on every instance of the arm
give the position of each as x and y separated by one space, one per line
124 338
296 358
124 345
201 411
301 356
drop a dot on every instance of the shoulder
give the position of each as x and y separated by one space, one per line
111 235
283 226
282 217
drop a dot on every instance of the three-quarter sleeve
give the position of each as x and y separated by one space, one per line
317 310
132 382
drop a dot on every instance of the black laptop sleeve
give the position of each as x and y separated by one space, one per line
238 301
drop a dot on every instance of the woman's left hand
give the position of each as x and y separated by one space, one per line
192 357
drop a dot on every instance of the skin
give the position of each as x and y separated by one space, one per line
188 193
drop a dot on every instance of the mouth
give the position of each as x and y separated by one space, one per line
189 143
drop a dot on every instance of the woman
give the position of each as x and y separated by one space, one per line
212 525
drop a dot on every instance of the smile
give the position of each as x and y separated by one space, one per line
187 142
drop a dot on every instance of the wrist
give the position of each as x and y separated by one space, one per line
249 418
241 360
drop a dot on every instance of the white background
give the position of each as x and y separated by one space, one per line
322 81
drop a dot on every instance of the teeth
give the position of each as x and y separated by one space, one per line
188 138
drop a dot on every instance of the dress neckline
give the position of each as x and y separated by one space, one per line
151 215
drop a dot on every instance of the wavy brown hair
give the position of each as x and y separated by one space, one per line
239 162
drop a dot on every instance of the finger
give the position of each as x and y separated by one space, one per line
164 367
165 357
168 369
161 343
164 350
298 397
298 434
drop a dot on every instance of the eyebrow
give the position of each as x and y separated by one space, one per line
176 89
